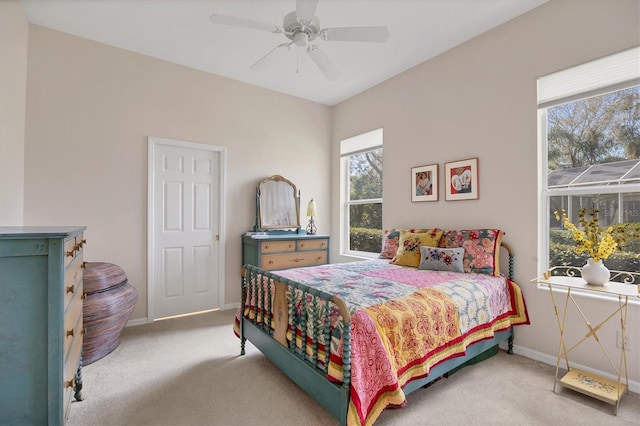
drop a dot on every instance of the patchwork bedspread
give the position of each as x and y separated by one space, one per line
404 321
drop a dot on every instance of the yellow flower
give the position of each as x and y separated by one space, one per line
599 243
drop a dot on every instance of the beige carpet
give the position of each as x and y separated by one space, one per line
188 371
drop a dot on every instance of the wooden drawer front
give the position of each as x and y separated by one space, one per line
277 246
72 280
69 251
313 245
72 317
293 260
72 247
67 394
71 364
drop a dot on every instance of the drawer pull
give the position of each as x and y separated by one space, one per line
71 253
82 243
71 288
69 332
266 247
296 260
84 265
68 383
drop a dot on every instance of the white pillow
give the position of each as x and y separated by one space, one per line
441 259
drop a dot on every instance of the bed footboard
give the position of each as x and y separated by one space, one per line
270 321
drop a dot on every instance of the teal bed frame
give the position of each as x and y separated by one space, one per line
304 370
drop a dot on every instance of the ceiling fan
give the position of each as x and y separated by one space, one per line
302 27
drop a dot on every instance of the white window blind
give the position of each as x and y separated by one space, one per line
364 142
613 72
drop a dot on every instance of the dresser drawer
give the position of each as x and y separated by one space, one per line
71 364
277 246
313 245
69 251
72 320
72 247
73 280
293 260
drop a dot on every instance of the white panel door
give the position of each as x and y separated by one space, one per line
185 258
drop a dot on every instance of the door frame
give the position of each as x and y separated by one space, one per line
153 142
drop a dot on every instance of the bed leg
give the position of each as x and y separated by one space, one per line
510 344
243 339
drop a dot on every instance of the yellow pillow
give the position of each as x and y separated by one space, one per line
409 246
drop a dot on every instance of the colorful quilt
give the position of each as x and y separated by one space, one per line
404 321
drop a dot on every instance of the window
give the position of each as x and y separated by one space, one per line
589 119
361 182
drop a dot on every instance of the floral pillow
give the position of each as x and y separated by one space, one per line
481 247
441 259
390 240
408 253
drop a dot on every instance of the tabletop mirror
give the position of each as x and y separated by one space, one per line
277 205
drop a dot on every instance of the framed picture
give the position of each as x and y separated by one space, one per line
461 180
424 183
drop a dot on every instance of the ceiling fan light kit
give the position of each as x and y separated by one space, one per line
302 27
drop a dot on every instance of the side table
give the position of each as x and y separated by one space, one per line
598 387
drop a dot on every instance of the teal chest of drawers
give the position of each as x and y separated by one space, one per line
273 252
40 323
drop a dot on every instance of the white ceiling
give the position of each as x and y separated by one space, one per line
180 31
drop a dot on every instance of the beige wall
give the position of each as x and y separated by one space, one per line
90 109
479 100
14 31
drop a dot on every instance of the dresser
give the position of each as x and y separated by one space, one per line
284 251
41 329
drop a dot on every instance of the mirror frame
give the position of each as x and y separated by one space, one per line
260 193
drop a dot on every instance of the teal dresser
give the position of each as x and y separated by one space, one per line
284 251
40 323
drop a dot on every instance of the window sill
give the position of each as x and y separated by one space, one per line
633 301
359 255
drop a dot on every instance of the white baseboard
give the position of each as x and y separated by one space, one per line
230 306
551 360
145 320
137 321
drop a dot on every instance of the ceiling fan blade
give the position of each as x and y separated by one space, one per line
306 10
372 34
264 62
323 62
244 23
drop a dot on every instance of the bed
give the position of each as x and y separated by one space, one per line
360 336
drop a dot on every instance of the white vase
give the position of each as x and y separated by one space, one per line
595 273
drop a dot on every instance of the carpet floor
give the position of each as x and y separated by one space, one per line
188 371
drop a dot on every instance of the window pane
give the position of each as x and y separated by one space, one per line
594 143
613 208
585 134
365 230
365 180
